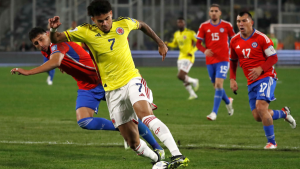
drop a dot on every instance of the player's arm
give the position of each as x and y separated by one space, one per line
200 38
233 69
162 48
194 40
53 62
56 37
173 44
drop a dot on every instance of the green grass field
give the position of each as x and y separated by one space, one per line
39 128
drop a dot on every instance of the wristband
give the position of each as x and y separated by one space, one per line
52 30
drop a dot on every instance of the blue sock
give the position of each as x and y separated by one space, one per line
225 98
269 131
147 135
51 74
96 123
217 100
278 114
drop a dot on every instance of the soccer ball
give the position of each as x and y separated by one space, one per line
160 165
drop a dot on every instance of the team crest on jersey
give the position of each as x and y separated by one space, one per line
254 44
120 31
221 30
54 47
184 37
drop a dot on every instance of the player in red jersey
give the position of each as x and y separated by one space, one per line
216 33
75 61
256 54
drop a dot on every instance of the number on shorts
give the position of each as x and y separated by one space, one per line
140 86
224 69
263 87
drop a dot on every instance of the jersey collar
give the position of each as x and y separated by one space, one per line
249 36
216 24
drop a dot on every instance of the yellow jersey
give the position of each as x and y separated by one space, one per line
110 51
79 43
185 41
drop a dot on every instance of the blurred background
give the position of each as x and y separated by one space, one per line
276 18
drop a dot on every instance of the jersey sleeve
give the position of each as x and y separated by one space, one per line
60 47
194 39
77 34
233 55
268 46
174 43
200 33
133 24
230 31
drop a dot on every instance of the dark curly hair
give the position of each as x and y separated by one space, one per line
98 7
34 32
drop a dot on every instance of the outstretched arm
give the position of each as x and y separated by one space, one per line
54 62
162 48
56 37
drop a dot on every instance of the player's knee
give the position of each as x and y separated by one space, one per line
133 143
218 86
180 77
83 123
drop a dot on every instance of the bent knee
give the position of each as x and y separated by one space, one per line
181 77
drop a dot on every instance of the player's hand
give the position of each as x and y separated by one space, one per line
54 22
255 73
162 49
233 85
189 54
208 52
20 71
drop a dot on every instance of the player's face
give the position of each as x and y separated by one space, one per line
244 23
214 13
180 24
41 42
103 21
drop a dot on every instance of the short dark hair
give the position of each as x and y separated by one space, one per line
215 5
34 32
98 7
245 12
180 18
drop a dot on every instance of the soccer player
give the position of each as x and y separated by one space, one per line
256 54
125 90
215 33
75 61
185 39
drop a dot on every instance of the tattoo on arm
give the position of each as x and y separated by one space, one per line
148 31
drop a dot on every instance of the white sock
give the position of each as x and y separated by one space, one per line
190 90
145 151
188 79
162 132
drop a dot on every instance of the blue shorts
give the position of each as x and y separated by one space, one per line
217 70
90 98
262 89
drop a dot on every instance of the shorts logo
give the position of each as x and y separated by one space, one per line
53 48
184 37
120 31
142 94
254 44
221 30
113 121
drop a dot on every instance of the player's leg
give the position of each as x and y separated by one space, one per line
124 118
143 110
184 67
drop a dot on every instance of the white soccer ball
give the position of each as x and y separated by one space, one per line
160 165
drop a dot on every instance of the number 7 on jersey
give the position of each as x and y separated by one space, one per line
113 42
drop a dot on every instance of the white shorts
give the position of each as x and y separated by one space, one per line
120 101
184 64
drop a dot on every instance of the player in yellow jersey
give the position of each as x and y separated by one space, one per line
185 40
126 92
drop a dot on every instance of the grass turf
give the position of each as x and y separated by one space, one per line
39 128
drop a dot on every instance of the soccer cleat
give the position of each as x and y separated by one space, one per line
229 107
192 97
196 85
161 153
212 116
270 146
289 118
178 161
49 81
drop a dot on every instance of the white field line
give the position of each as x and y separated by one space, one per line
119 144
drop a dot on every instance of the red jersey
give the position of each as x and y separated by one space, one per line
252 52
216 39
77 63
